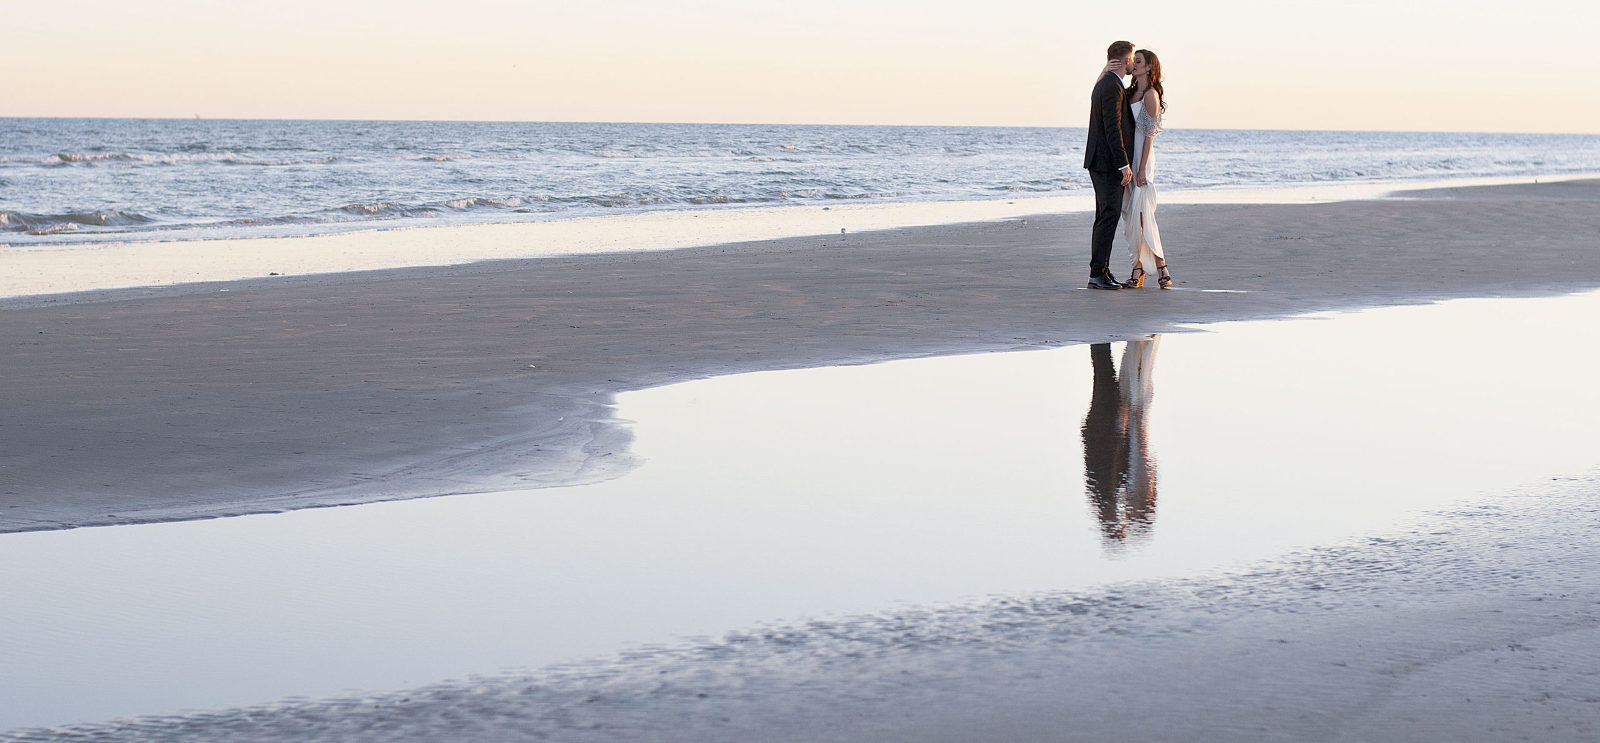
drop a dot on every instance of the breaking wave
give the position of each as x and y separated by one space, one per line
134 159
50 224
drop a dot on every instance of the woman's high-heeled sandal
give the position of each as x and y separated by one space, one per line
1135 279
1163 277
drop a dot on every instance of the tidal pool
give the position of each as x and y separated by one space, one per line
781 496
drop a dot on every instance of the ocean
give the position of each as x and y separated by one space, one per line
103 180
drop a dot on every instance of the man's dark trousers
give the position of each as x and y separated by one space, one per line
1107 209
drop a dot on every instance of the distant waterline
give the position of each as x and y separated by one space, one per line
96 180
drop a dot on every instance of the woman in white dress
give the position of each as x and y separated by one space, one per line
1139 232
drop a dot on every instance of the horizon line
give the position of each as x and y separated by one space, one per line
197 117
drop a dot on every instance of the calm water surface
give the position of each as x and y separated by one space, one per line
781 496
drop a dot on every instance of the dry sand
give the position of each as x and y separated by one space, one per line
263 395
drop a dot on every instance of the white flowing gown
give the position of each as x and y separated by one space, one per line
1139 232
1137 378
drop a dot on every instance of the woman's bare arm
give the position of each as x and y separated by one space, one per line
1152 106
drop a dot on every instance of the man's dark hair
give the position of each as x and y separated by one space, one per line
1119 50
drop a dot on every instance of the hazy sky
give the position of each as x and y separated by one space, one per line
1461 65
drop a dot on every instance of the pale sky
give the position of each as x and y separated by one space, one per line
1427 65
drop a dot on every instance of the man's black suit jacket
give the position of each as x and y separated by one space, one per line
1110 131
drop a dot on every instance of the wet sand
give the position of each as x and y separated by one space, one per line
208 400
1480 623
264 395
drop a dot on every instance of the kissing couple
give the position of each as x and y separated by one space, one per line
1123 124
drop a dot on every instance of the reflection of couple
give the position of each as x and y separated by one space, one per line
1119 473
1123 124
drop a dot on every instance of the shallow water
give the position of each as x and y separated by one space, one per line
781 496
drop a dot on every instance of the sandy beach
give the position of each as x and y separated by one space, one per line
205 400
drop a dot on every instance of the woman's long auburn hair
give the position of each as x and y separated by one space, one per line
1154 63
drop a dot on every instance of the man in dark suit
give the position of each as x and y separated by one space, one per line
1106 158
1105 443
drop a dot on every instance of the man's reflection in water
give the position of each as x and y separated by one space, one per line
1120 475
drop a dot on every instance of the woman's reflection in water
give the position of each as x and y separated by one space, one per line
1120 474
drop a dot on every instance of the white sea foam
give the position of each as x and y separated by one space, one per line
136 157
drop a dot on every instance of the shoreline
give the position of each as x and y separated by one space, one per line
37 272
209 400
